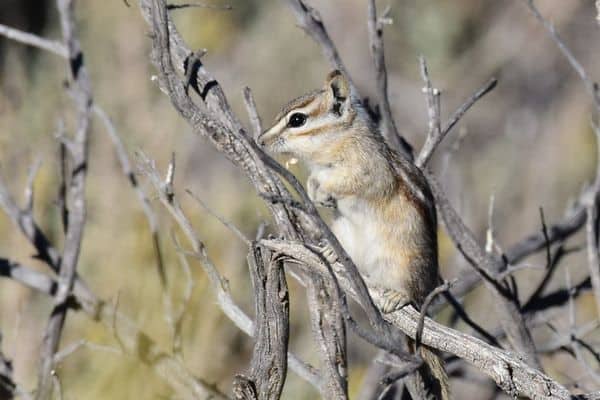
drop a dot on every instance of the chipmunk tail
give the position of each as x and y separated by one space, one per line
433 372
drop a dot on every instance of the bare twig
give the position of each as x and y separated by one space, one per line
310 21
268 367
534 242
175 316
252 112
488 266
575 342
29 191
388 127
437 134
131 338
76 197
30 39
590 85
508 372
60 356
7 386
224 131
425 307
229 225
485 264
179 6
432 98
461 312
169 368
592 250
130 175
218 283
204 124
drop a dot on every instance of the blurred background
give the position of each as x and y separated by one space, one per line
528 143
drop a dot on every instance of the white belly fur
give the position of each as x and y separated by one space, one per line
356 229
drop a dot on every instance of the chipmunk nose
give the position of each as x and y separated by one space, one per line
265 138
261 139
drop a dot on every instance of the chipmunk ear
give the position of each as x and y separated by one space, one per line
338 91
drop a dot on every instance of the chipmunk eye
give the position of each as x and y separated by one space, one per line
296 120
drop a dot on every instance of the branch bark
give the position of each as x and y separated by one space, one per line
486 265
268 367
78 150
513 375
387 124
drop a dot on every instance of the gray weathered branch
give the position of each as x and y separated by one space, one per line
389 130
133 340
268 367
218 283
128 172
78 155
509 372
486 264
52 46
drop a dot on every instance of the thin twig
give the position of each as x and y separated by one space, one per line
132 340
592 251
218 283
572 332
229 225
437 135
486 265
388 126
591 205
172 7
76 196
255 121
311 22
461 312
223 130
128 172
444 287
30 39
60 356
590 85
185 302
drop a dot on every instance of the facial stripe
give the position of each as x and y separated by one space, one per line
310 108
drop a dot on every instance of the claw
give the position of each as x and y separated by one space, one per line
330 202
327 251
393 301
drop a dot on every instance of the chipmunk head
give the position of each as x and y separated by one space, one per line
311 123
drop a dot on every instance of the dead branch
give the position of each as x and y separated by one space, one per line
590 86
128 172
218 283
486 265
134 341
53 46
388 126
217 132
268 367
78 153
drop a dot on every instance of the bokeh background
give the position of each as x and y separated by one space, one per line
528 143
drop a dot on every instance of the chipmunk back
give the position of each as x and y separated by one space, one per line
385 210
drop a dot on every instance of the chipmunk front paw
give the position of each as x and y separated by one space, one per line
393 301
318 195
327 251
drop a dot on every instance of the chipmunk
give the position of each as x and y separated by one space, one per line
385 213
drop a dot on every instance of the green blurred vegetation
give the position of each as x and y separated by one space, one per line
529 143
